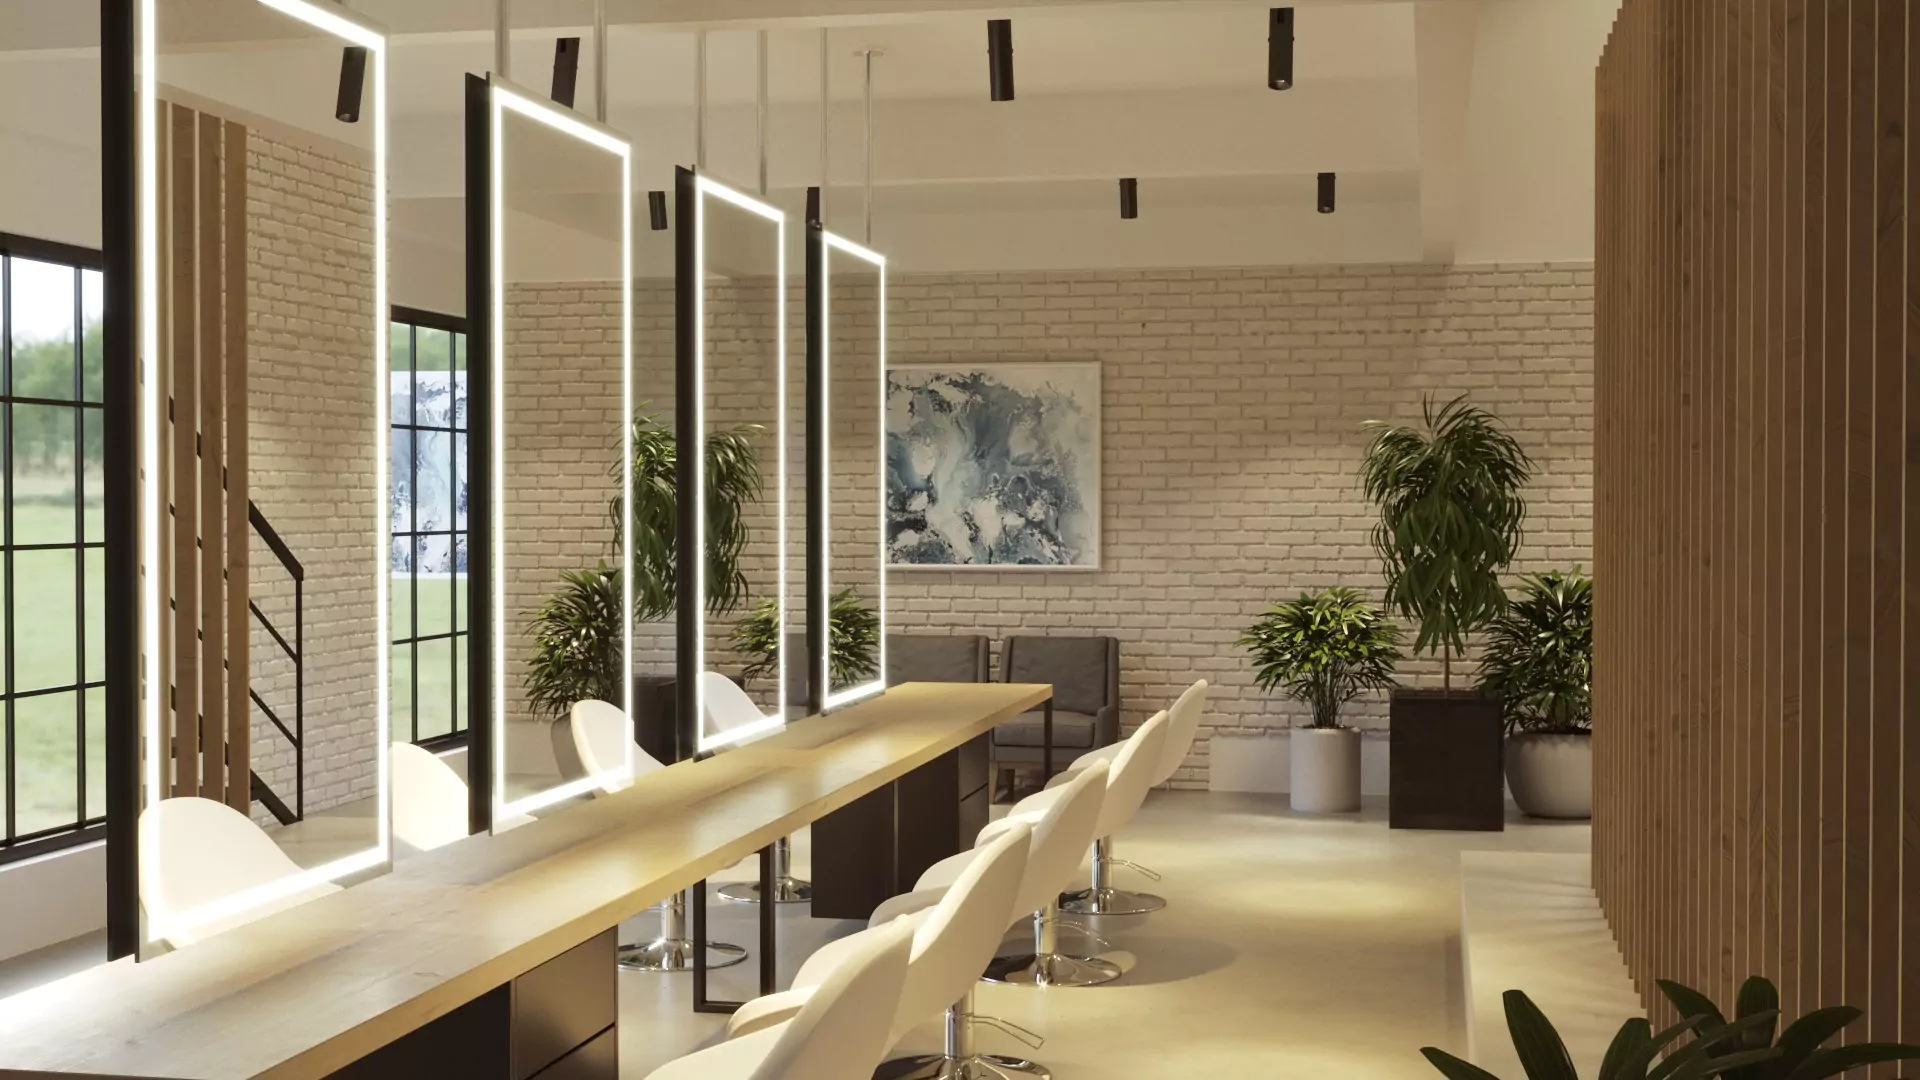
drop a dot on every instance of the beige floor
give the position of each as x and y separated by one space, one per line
1293 947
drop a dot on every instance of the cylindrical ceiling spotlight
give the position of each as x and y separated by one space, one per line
1000 58
566 70
1280 48
1326 193
657 211
1129 198
353 76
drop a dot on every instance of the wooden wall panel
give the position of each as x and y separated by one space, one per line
1755 638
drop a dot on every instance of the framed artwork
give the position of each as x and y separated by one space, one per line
994 466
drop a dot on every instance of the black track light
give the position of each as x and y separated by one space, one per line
1129 198
657 211
1000 58
566 70
813 205
1326 193
353 76
1280 48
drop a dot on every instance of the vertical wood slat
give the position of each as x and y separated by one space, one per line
239 535
212 521
1755 475
186 412
163 371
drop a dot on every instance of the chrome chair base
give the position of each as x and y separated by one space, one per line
786 890
1052 970
676 954
976 1067
1111 902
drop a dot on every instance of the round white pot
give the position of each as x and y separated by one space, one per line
1325 763
1551 776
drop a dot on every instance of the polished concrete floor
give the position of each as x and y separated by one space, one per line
1293 946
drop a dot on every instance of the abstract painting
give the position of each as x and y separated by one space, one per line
994 466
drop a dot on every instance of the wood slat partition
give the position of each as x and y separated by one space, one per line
204 233
1756 469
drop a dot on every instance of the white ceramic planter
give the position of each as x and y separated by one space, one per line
1551 775
1325 767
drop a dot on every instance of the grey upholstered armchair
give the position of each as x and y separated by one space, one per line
1085 673
937 658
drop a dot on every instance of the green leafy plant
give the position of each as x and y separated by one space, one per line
1743 1048
1324 649
1538 655
1450 519
733 481
577 651
853 640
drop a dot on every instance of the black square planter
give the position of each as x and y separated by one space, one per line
1445 762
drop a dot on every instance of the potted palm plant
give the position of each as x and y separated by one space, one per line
1451 510
1538 662
853 641
1324 649
576 631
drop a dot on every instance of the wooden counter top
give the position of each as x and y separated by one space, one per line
305 992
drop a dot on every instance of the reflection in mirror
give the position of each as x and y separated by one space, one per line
562 301
854 292
264 451
740 357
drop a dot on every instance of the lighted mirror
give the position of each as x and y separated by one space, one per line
562 314
849 290
734 398
264 457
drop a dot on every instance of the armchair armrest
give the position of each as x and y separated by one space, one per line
1106 726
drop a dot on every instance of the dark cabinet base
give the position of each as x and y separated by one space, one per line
877 846
556 1022
1446 767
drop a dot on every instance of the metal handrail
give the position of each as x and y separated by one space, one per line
297 653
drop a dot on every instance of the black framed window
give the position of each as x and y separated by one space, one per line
52 547
429 508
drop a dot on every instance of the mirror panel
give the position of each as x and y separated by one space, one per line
742 594
562 302
853 291
264 503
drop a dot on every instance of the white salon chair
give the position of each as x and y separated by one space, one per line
728 708
195 852
952 943
601 733
430 806
840 1032
1102 898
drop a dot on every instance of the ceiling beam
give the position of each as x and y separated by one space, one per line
1443 64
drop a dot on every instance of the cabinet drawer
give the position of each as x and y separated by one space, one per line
971 764
563 1003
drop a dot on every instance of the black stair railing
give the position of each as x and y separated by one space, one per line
296 652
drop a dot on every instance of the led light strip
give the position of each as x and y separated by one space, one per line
836 242
163 922
704 186
506 97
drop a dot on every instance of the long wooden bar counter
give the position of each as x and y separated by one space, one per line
307 992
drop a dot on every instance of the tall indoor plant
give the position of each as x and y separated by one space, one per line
1324 649
1538 661
576 631
853 646
1449 492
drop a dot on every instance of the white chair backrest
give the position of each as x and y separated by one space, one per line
429 798
1185 714
844 1028
601 734
194 852
1131 774
957 939
1060 839
727 706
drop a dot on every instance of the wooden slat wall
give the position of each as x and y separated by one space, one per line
1755 479
204 232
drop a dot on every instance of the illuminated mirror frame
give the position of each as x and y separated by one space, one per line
820 491
692 190
352 30
505 97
